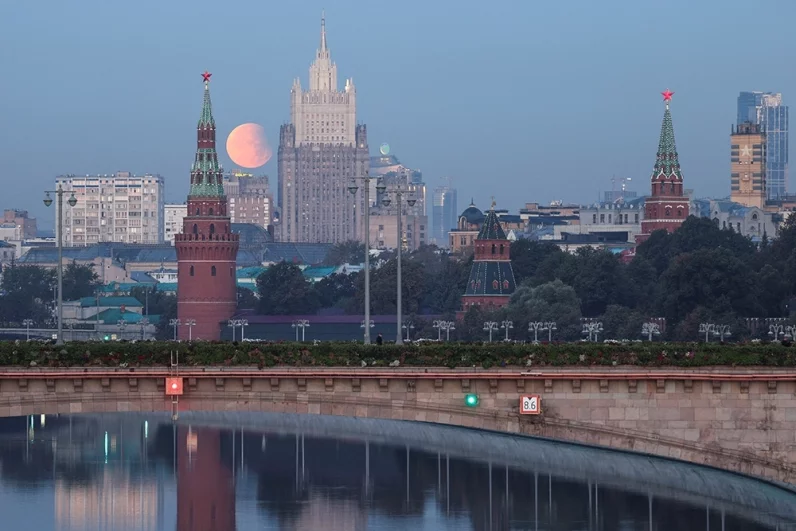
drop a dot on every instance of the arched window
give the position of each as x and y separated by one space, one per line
212 227
197 211
211 211
191 270
679 212
494 248
663 188
501 248
212 271
195 229
668 212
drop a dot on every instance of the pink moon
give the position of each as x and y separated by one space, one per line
248 147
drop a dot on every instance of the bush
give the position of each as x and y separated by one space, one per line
149 354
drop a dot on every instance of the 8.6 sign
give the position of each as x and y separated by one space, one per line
530 405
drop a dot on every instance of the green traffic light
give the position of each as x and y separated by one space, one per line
471 400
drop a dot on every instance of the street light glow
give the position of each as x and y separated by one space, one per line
471 400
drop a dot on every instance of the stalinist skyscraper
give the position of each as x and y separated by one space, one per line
321 152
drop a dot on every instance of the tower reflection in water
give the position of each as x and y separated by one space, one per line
121 473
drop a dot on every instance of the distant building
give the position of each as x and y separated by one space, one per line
384 212
23 227
491 282
766 110
249 198
392 173
462 238
173 216
748 165
667 206
121 207
444 211
750 221
620 221
321 151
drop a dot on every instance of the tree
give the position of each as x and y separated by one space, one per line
526 255
384 288
284 290
336 290
27 292
80 280
552 301
160 304
247 300
598 280
620 322
349 252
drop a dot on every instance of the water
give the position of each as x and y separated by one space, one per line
247 471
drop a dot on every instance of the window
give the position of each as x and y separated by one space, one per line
212 227
594 218
195 229
212 271
636 221
197 211
211 211
191 270
668 212
602 218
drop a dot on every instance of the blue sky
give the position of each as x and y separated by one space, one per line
525 100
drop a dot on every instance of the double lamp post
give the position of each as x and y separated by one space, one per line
59 213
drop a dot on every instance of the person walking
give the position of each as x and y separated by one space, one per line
379 340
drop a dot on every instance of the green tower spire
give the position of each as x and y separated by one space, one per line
206 174
667 162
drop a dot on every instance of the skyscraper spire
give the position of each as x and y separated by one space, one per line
323 31
206 177
667 163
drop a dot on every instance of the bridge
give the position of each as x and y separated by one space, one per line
741 420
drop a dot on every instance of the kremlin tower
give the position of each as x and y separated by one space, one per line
667 207
491 281
206 249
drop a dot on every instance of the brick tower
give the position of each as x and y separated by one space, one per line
491 281
667 207
206 249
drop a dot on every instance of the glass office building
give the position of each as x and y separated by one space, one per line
766 109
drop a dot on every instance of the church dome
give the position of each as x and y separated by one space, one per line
472 215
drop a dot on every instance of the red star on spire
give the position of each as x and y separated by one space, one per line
206 76
667 95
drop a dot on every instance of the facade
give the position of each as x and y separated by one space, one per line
620 221
24 226
384 230
207 249
750 221
320 152
249 199
748 165
667 206
393 173
121 207
766 110
443 214
491 281
173 216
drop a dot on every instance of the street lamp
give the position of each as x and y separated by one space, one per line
721 331
550 326
790 332
593 329
175 323
408 326
776 330
353 189
444 325
231 324
144 322
650 329
399 193
72 201
717 330
190 323
27 323
490 326
122 324
300 323
535 326
508 325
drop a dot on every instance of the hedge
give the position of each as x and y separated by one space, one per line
328 354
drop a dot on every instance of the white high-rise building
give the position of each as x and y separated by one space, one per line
121 207
173 215
321 152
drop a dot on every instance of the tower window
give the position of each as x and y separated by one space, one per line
197 211
211 211
212 271
668 212
195 229
212 226
191 271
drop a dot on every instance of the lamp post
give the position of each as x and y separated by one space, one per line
444 325
650 329
790 332
592 329
721 331
399 193
174 323
72 201
190 323
353 189
300 323
27 323
122 324
550 326
408 326
490 326
707 329
231 324
144 323
535 326
507 325
776 330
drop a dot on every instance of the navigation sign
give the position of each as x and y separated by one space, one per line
530 405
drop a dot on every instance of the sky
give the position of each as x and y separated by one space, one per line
523 100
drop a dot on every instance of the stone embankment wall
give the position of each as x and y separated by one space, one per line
737 420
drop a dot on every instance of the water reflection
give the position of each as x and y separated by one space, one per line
129 473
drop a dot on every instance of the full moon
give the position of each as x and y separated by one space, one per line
248 147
